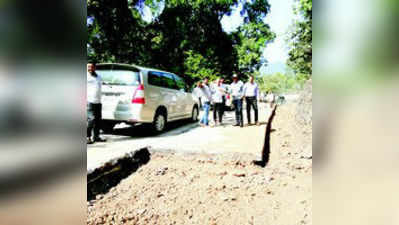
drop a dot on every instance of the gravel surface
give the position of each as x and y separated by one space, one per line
225 188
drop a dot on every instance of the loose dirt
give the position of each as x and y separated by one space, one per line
225 188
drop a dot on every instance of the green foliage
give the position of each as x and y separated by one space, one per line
198 67
282 83
250 41
186 37
300 54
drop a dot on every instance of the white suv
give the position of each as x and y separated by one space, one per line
134 94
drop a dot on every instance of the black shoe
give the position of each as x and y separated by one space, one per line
236 125
98 139
89 141
241 125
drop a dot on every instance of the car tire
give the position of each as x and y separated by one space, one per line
194 114
107 127
159 123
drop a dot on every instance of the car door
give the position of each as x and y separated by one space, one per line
155 92
171 100
185 105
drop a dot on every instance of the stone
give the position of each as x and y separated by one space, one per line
239 174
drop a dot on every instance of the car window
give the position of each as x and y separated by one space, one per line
180 83
118 76
155 78
168 81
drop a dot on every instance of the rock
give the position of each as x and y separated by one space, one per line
239 174
141 211
161 171
306 157
223 174
224 197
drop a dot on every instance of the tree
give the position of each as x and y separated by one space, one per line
198 67
300 54
250 40
186 37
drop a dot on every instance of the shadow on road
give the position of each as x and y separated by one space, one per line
144 130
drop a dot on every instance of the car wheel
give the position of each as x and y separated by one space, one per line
107 127
194 114
159 123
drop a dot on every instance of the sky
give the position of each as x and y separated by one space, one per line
281 16
280 19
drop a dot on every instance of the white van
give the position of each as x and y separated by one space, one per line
134 94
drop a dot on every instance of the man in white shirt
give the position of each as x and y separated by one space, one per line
270 98
226 91
202 91
237 88
251 93
206 82
94 106
218 90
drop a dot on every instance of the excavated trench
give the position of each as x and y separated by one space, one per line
102 179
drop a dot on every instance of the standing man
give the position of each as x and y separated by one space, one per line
93 104
202 91
270 98
218 91
196 95
251 93
224 95
206 82
237 93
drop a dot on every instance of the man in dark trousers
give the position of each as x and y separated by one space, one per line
224 96
218 91
251 94
236 89
94 106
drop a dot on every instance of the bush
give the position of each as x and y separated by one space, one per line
282 83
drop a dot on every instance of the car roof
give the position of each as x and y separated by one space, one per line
135 66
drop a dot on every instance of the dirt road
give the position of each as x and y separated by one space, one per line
221 187
182 136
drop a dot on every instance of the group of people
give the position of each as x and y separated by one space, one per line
216 94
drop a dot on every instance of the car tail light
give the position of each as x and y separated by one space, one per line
138 96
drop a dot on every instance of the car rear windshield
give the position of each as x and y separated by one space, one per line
117 75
